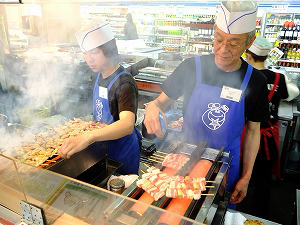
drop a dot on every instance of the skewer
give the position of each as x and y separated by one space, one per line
208 194
162 152
143 171
49 160
210 181
44 164
146 165
210 186
154 160
158 156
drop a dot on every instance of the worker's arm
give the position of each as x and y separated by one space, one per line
121 128
152 114
252 142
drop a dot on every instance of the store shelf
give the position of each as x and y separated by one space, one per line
168 27
290 42
199 42
163 44
146 34
269 24
144 25
272 32
198 25
290 61
168 35
203 36
271 39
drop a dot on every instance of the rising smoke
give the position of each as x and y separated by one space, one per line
43 81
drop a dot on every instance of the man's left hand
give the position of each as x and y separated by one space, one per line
75 144
240 191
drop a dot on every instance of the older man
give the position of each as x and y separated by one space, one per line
221 93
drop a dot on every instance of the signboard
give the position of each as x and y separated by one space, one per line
280 8
274 55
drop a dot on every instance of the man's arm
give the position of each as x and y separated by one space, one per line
252 142
152 114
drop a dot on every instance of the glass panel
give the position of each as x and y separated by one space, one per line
11 191
68 201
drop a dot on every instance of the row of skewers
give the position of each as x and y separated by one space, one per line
158 184
43 146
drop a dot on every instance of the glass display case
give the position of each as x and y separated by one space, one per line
64 200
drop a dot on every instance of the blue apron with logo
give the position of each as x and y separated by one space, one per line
126 149
217 121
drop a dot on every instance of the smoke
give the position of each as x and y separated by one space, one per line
47 85
13 137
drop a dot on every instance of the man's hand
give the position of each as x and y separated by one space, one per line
240 191
75 144
152 119
152 114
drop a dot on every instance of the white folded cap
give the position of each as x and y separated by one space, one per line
261 46
93 36
237 17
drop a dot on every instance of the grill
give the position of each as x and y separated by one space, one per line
90 165
198 209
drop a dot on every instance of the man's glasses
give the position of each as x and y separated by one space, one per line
231 44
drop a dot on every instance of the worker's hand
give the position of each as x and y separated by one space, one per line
152 119
75 144
240 191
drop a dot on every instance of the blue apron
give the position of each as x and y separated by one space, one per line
217 121
126 149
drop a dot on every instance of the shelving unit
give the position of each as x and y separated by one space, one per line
171 27
273 24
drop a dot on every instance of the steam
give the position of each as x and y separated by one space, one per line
49 84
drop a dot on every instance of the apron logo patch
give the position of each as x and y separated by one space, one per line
215 116
99 107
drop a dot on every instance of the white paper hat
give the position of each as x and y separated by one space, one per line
237 17
93 36
261 46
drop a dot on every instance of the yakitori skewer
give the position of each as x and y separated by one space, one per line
146 165
162 152
157 158
160 156
153 160
49 160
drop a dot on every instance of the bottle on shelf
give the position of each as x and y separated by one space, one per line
283 31
288 33
295 33
285 51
